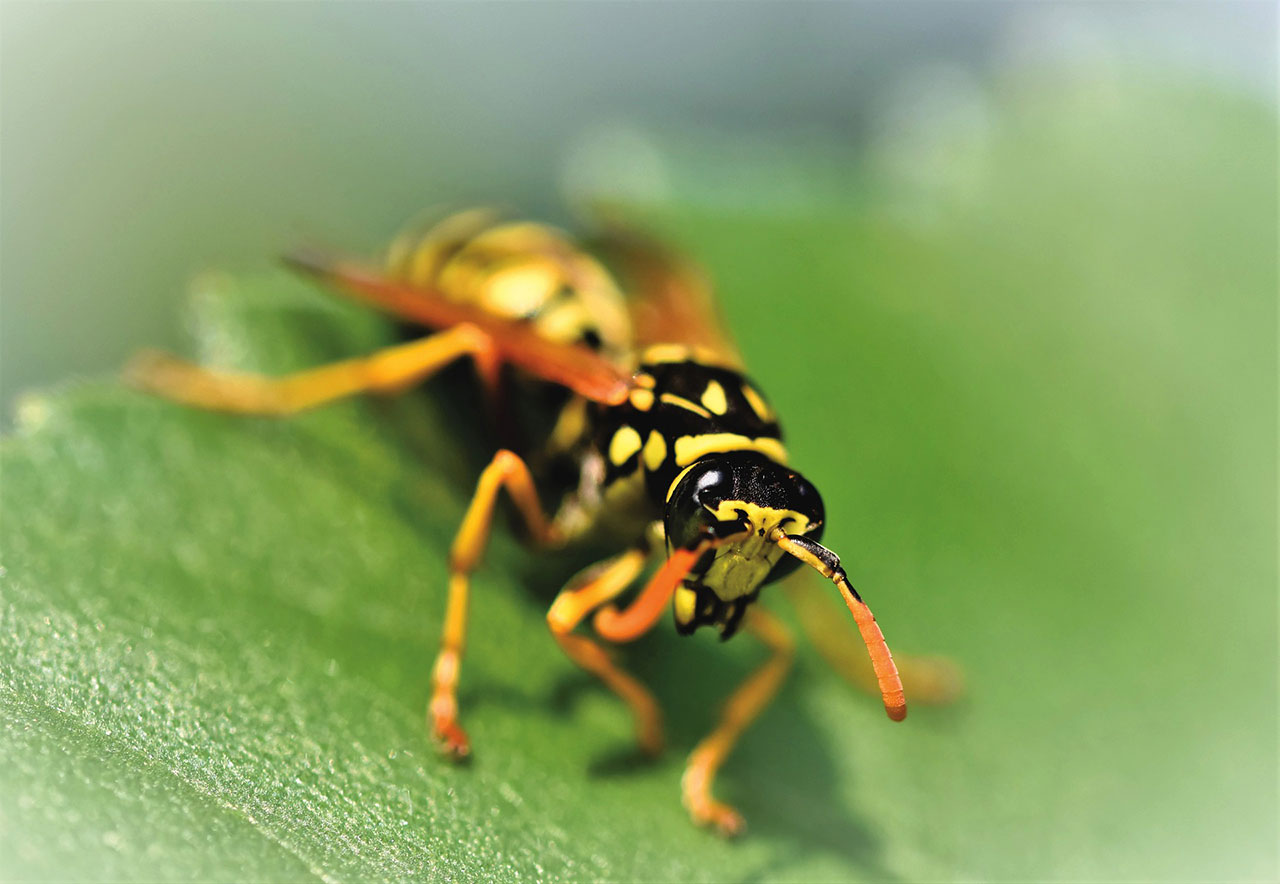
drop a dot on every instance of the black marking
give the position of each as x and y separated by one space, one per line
829 559
817 550
711 610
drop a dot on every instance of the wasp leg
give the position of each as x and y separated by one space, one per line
598 585
508 471
930 680
742 708
386 371
625 626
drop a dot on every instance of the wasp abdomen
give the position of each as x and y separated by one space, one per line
517 270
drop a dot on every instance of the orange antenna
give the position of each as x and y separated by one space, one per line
827 563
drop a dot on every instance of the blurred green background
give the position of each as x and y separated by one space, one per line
1008 271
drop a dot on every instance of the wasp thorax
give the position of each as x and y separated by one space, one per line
736 498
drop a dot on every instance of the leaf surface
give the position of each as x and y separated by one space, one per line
1040 403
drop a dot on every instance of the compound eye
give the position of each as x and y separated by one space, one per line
808 501
689 515
712 487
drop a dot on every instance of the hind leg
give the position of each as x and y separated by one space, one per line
389 370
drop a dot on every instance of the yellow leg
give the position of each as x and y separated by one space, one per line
742 708
506 470
930 680
386 371
598 585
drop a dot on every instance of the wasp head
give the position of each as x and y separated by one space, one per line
736 499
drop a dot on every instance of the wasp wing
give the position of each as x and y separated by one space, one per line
670 298
576 367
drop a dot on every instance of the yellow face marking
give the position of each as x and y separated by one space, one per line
690 448
765 517
646 380
681 402
757 403
655 450
641 399
625 442
713 398
732 575
686 601
740 567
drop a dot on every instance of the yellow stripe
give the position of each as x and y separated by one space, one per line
694 447
690 448
676 481
681 402
757 403
665 353
686 601
660 353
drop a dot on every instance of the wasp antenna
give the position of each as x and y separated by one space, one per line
827 563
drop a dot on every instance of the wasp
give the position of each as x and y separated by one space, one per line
674 453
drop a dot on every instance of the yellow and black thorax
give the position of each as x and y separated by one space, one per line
684 408
698 447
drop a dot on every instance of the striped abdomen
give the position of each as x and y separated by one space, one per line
518 270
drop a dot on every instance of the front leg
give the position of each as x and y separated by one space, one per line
600 584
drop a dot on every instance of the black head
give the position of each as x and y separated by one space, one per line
741 495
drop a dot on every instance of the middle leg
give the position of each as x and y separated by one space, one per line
743 707
506 470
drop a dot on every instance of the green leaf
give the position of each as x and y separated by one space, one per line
1038 393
